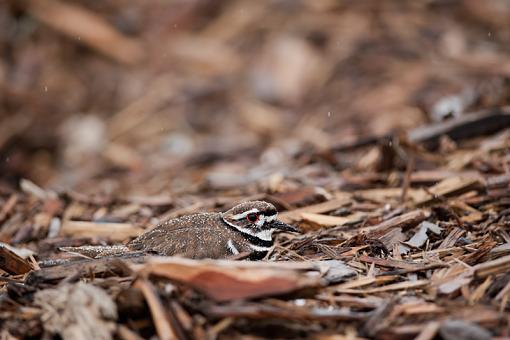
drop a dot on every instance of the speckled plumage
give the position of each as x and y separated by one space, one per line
193 236
214 235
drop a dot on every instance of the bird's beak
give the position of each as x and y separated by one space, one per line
283 226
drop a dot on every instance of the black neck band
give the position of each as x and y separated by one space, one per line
257 255
252 239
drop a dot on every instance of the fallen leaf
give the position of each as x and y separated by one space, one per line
230 280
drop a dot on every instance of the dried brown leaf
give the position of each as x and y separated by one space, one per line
231 280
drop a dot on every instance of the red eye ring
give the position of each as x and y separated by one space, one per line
252 217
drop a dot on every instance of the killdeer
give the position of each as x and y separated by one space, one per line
247 227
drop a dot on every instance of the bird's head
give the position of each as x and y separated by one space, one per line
256 218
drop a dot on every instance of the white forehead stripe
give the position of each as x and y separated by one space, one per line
271 218
244 214
262 218
232 247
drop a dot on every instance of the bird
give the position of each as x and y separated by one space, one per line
246 228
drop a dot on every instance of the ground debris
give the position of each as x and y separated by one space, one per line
227 280
77 311
12 263
458 329
379 129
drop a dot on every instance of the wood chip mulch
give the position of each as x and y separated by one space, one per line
379 128
399 254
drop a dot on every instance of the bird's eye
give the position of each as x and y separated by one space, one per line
252 217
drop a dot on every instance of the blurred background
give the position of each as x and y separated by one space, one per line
171 96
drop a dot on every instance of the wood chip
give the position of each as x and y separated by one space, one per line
77 311
295 215
493 267
12 263
388 288
88 28
452 238
8 206
406 220
462 330
330 221
429 331
448 187
159 316
260 311
408 265
112 231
